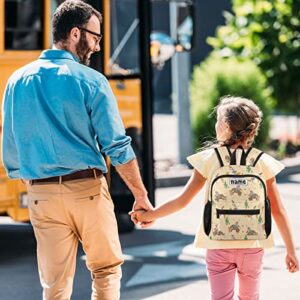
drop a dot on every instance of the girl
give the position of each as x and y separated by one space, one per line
238 122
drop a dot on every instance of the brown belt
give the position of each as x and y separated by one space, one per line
89 173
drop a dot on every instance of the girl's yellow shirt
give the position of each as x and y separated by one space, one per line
206 163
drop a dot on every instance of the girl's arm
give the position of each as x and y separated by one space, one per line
280 216
193 186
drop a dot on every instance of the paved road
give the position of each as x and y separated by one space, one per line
160 263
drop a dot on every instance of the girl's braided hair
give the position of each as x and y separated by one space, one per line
242 116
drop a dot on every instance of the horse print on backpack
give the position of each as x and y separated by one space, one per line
238 207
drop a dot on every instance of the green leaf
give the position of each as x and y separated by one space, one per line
256 27
263 7
214 42
244 10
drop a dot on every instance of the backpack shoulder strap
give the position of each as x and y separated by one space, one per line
223 155
219 157
227 157
254 157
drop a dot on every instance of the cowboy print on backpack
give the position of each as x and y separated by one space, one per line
237 207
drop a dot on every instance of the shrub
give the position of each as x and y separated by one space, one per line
217 77
267 32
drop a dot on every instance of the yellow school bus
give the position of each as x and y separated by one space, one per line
125 59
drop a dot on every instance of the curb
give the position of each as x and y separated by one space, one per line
289 170
171 181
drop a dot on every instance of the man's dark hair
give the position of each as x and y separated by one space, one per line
70 14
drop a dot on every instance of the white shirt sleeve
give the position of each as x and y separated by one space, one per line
200 161
270 166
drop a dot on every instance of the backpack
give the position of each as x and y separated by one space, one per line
237 207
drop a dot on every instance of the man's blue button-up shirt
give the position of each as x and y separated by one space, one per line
58 116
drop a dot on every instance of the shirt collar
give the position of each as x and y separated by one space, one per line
58 54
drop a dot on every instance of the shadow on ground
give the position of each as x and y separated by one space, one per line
154 264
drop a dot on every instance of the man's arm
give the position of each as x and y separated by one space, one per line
130 173
115 144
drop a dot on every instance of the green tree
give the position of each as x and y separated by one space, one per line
268 32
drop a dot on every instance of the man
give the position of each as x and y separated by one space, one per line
55 112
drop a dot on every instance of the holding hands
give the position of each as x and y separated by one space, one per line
143 217
142 206
144 213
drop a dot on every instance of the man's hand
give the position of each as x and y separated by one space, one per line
143 216
131 175
142 204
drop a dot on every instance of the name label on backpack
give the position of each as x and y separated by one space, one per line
238 181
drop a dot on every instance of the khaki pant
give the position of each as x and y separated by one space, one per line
63 214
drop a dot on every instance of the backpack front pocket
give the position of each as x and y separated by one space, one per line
238 224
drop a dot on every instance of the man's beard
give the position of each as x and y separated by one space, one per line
83 49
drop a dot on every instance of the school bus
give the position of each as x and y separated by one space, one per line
125 59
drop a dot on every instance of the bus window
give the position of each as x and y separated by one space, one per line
124 42
23 25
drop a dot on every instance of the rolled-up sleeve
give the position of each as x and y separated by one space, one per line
108 125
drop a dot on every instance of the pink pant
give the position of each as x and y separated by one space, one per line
222 265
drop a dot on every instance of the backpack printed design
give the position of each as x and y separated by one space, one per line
238 207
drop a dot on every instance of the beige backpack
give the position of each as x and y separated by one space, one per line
238 207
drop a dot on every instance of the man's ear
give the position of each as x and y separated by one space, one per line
75 35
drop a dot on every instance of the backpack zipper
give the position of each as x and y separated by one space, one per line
237 212
231 175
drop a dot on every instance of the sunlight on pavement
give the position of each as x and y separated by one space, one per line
159 273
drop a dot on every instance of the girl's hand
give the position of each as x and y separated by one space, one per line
141 203
292 262
141 215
